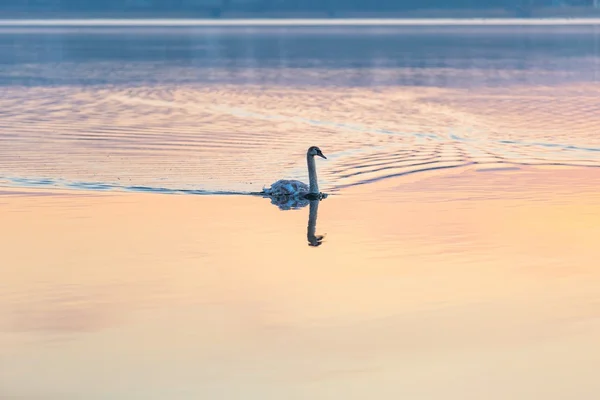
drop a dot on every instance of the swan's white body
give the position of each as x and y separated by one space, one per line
285 187
293 188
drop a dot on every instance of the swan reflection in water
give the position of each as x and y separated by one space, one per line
314 240
295 203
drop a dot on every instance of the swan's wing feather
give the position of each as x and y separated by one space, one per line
285 187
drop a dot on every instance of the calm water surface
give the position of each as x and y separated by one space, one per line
456 258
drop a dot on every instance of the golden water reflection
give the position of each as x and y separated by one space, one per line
483 284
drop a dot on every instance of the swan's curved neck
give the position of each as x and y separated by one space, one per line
312 174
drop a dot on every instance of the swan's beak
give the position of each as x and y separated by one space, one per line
320 154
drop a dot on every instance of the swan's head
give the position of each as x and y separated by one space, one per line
315 151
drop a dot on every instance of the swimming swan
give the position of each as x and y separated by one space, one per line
293 188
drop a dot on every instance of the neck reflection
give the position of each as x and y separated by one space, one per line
314 240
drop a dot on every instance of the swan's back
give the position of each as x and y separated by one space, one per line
285 187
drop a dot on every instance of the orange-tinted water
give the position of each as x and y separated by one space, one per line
483 284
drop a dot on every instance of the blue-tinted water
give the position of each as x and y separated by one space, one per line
231 109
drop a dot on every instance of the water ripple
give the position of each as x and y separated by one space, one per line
237 139
102 186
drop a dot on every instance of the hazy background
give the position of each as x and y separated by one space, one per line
331 8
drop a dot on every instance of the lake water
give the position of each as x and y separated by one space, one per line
456 256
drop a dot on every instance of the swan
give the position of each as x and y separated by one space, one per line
293 188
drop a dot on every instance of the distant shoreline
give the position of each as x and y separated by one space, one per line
498 13
299 22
